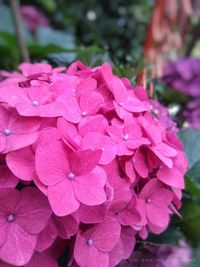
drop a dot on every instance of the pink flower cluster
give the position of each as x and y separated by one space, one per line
84 165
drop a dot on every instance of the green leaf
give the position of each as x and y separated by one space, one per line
191 187
48 36
191 142
190 220
168 238
195 261
7 24
194 173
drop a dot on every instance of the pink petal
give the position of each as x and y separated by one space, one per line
166 150
157 216
96 123
86 86
15 141
167 161
46 238
51 163
124 247
84 161
28 68
91 214
88 256
71 110
115 133
89 188
62 199
172 177
93 140
33 210
67 226
140 164
19 246
106 234
90 103
41 259
134 105
7 179
22 163
69 133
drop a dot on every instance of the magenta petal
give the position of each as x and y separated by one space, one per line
15 141
96 123
62 199
172 177
140 164
51 163
19 246
84 161
71 110
91 214
89 188
166 150
7 179
46 238
90 103
157 216
124 247
22 163
106 234
33 210
93 140
41 259
67 226
88 256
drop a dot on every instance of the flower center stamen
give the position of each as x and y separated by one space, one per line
11 218
35 103
71 176
90 242
7 132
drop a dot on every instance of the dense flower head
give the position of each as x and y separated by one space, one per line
84 164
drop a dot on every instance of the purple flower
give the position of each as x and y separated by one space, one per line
183 75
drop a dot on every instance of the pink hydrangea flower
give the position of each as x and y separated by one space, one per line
92 166
15 131
71 178
23 215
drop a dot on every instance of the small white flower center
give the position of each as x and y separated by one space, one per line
11 217
84 114
7 132
126 137
148 200
90 242
71 176
35 103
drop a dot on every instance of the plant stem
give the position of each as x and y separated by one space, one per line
15 7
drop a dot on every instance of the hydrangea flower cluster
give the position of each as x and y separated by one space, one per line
84 165
184 76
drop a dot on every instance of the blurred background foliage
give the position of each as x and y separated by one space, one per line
90 30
